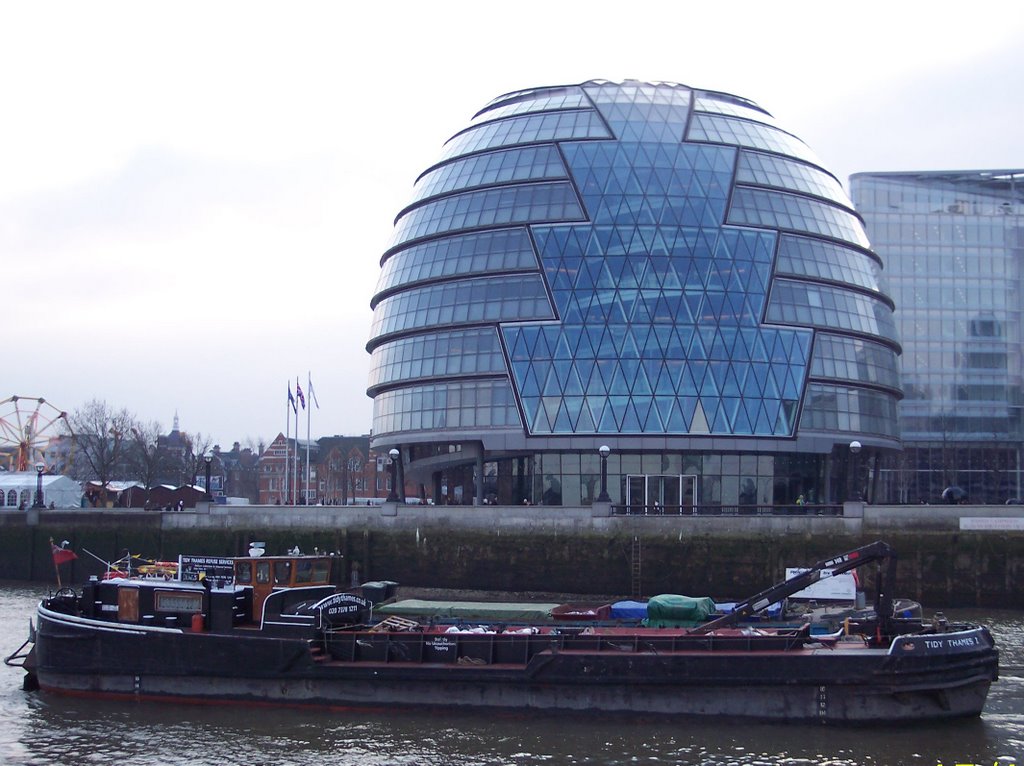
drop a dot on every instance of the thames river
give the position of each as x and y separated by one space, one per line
46 730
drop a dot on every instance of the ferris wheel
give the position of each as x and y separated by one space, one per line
27 424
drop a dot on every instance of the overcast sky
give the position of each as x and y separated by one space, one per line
194 196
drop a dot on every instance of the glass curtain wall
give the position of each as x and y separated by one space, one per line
953 248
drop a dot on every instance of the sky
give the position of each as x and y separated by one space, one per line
194 196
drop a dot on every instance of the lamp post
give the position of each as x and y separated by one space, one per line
208 458
604 450
39 486
393 494
855 447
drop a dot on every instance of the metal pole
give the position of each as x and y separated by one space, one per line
604 451
394 454
39 486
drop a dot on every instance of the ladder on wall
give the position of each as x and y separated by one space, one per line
636 569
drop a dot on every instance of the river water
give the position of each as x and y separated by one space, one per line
47 731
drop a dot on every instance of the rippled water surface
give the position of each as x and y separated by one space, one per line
37 729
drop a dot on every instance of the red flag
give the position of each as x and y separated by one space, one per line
61 555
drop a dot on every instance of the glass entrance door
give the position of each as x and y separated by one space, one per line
657 494
636 494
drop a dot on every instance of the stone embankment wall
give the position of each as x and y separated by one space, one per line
569 550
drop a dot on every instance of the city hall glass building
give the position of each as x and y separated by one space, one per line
953 244
647 266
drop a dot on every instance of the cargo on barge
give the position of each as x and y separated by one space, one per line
279 632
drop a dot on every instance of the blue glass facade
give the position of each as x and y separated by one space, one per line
953 243
656 268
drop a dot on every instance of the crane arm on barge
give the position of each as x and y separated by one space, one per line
873 552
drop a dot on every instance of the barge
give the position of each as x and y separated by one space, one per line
278 632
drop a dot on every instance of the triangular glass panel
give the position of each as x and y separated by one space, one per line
552 386
531 384
618 405
563 423
698 421
573 386
630 419
741 424
665 405
643 405
692 378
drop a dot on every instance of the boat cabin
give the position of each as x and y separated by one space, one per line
262 590
266 574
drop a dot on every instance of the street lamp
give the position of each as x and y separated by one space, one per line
855 447
209 460
39 486
393 494
604 451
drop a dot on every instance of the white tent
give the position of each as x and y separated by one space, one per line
18 490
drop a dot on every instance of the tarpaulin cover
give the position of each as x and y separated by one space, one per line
670 610
629 610
728 607
469 610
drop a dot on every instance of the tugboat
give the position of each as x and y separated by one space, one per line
278 631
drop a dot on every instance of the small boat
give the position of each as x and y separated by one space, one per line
276 630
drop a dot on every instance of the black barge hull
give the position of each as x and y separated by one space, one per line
917 678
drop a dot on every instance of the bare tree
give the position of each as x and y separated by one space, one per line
193 463
100 433
147 457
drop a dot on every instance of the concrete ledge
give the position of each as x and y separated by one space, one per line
857 519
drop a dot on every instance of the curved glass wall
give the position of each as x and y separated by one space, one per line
529 163
459 256
438 355
531 203
471 301
731 108
774 171
573 99
854 359
818 259
727 130
468 404
529 129
779 210
799 303
849 410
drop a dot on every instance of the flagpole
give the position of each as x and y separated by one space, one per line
309 412
56 566
295 469
287 433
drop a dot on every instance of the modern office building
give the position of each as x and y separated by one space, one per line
953 245
657 269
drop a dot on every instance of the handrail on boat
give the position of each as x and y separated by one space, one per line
12 659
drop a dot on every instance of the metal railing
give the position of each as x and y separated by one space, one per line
728 510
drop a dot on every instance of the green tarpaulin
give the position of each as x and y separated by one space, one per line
671 611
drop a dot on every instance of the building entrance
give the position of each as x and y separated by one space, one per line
661 494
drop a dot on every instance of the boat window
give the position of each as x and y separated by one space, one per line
282 572
321 570
303 571
243 572
175 601
262 571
